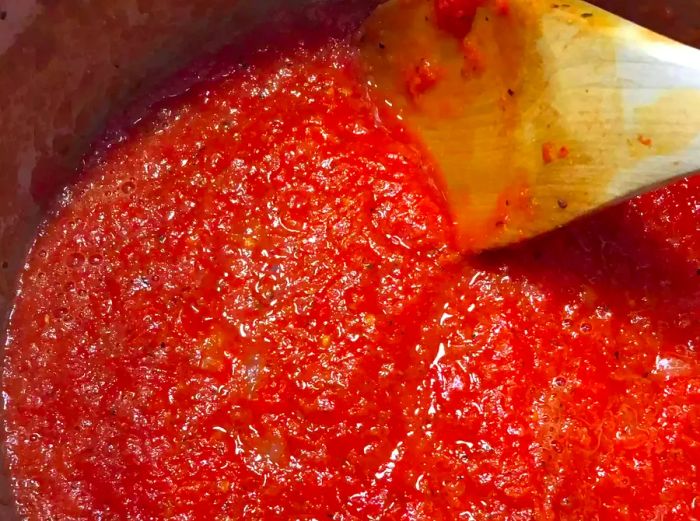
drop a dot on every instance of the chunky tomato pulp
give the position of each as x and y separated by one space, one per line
251 306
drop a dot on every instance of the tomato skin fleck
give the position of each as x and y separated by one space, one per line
550 152
456 16
421 78
645 140
503 7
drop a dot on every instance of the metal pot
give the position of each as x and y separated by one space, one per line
68 64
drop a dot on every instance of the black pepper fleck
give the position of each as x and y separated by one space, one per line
562 203
3 15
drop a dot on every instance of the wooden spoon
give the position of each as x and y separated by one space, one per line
544 112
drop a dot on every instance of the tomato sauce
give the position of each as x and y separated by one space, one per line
251 305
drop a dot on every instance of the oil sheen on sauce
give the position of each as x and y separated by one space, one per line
251 306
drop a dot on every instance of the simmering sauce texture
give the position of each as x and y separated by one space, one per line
251 306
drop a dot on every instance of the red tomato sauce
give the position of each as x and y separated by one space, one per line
251 305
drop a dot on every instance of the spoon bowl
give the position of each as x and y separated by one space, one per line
540 113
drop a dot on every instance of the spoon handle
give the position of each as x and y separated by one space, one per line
653 133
